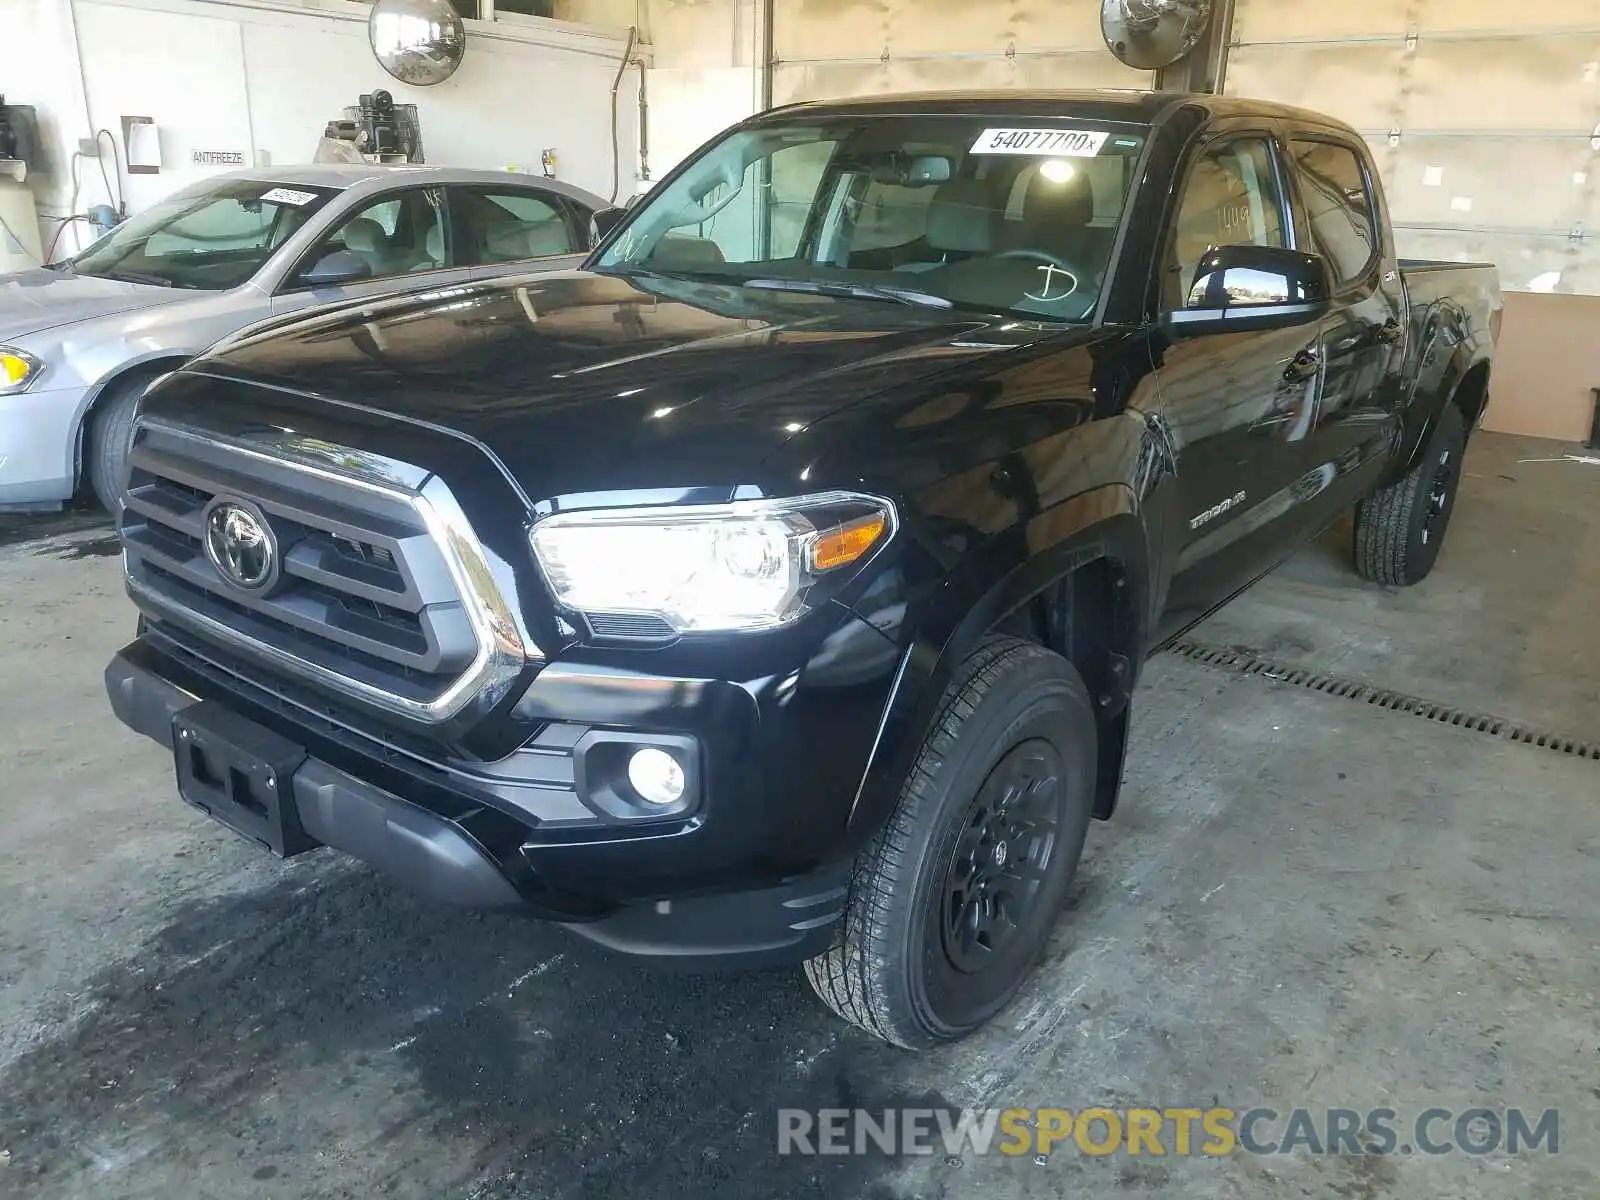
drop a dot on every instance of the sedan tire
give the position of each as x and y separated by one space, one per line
109 437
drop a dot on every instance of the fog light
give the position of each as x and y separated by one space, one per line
656 776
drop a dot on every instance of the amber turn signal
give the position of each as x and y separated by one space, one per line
842 546
16 369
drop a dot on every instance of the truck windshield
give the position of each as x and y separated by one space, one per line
1012 215
212 239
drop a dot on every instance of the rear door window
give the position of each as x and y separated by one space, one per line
1338 206
500 225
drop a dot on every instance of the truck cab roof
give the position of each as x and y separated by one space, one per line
1145 108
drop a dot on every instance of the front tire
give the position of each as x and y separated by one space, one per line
1400 529
109 437
952 904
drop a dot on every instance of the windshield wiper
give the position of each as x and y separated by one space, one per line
859 291
817 287
626 270
138 277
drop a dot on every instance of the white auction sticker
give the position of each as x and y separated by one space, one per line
282 195
1070 143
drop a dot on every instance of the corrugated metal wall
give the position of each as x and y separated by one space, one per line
1484 117
863 47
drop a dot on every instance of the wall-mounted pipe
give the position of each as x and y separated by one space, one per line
616 133
644 123
1205 68
769 52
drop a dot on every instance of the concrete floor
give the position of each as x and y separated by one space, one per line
1304 901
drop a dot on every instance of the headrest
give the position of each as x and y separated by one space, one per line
433 243
1049 205
685 251
365 234
509 240
961 218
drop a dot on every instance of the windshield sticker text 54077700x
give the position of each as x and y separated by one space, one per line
1066 143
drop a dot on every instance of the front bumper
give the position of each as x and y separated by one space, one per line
750 873
38 446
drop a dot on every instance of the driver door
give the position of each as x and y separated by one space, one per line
1238 406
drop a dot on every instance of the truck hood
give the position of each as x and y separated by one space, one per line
40 299
582 383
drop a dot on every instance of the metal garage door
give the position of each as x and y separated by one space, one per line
1484 117
829 48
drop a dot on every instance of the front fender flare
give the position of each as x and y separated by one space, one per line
1099 524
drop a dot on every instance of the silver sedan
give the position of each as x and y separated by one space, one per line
81 340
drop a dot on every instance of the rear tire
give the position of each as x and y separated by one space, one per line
109 437
1400 530
952 904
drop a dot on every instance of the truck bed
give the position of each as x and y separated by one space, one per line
1473 287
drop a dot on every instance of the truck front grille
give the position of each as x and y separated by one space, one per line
379 590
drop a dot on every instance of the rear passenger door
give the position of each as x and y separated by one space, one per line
1236 406
1361 340
505 230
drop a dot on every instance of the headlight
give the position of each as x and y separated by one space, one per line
17 369
745 565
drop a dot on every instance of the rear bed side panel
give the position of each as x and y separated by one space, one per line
1454 321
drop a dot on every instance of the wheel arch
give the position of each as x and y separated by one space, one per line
1460 379
1465 386
151 365
1083 590
1471 394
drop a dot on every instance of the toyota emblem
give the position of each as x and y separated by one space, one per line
240 545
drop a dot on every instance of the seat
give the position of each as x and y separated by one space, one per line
685 252
1056 221
960 224
508 241
366 239
432 250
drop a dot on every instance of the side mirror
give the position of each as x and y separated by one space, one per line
603 222
339 266
1254 287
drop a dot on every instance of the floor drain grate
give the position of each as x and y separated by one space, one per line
1399 702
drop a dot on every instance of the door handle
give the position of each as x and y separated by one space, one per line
1303 365
1390 332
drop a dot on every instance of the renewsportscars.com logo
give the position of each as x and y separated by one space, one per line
1182 1132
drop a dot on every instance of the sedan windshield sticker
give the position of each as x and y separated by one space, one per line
1071 143
288 196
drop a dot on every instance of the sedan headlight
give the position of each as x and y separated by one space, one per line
17 369
739 566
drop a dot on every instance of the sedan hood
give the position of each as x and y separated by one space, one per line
40 299
583 383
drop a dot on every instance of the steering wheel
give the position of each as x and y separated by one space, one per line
1052 265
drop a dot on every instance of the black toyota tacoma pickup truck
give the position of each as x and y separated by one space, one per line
774 588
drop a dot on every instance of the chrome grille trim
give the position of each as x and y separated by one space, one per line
502 646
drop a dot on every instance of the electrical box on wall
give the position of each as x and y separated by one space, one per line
141 139
19 138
